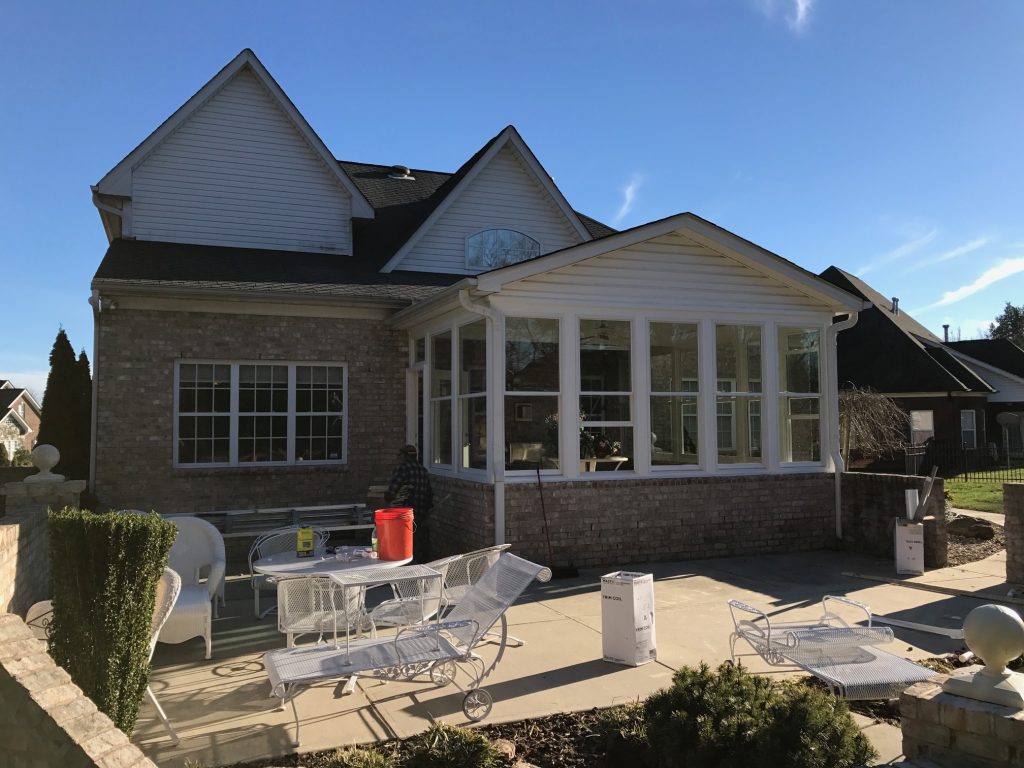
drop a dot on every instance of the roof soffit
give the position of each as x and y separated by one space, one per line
117 181
508 137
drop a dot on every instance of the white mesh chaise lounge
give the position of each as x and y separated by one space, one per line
846 658
441 648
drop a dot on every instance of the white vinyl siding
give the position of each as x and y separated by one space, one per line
669 272
504 195
239 173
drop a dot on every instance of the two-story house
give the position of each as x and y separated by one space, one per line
273 323
19 418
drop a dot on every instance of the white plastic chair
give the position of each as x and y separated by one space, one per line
280 540
198 546
167 591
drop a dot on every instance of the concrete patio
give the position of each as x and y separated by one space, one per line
223 713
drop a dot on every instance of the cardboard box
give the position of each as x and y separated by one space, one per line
627 618
909 547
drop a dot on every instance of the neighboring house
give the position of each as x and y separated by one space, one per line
19 418
272 324
953 391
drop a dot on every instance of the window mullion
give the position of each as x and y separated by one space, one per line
290 418
233 447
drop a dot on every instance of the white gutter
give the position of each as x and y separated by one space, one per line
497 473
832 340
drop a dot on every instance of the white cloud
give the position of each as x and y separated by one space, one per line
801 14
953 253
33 381
989 277
898 253
628 197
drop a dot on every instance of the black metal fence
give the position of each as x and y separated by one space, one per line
956 461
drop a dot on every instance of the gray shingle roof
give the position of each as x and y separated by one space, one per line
999 353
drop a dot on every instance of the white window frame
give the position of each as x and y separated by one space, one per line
498 228
973 430
453 336
556 395
233 414
601 425
462 397
688 388
786 397
928 432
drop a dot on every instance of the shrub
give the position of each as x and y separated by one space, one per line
445 746
625 736
729 718
356 757
105 569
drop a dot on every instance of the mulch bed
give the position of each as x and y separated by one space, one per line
963 550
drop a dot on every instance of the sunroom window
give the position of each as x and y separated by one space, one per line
606 393
473 394
674 393
799 394
441 399
532 384
495 248
738 380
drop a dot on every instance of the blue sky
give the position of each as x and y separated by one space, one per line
883 137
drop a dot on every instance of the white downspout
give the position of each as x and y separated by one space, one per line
838 465
497 472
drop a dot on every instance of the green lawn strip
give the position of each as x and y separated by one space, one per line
979 495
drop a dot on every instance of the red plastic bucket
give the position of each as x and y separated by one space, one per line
394 533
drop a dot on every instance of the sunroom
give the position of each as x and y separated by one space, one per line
669 352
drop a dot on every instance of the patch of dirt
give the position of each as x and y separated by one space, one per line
963 550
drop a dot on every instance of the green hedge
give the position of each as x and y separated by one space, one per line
105 569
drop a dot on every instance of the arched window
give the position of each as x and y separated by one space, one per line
495 248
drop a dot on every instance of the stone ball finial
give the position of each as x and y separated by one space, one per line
45 458
996 634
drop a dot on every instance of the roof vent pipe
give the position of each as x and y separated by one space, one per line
401 172
895 305
945 332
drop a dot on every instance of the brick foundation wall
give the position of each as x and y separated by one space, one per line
601 523
463 518
45 719
955 732
135 381
1013 507
872 502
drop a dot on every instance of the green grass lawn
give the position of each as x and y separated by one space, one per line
979 495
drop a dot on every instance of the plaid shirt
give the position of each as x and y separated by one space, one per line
413 481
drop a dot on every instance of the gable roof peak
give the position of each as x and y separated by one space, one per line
117 181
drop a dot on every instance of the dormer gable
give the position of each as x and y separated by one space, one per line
236 165
502 207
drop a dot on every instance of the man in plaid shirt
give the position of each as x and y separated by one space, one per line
410 486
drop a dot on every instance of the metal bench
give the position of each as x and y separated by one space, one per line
240 523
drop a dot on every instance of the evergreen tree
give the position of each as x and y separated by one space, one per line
61 424
1009 325
84 410
5 460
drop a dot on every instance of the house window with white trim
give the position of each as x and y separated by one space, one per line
255 413
674 394
968 430
441 399
799 394
532 385
922 426
472 394
495 248
738 380
606 394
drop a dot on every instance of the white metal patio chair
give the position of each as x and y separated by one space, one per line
409 604
846 658
441 649
198 547
465 571
280 540
313 605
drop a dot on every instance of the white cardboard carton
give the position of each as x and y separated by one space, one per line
627 618
909 547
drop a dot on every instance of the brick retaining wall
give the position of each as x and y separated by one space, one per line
45 719
1013 507
872 502
135 389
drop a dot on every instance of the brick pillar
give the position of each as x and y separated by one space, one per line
1013 506
25 541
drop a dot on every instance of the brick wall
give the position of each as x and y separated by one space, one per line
25 541
872 502
463 518
1013 507
135 380
955 732
45 719
609 522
